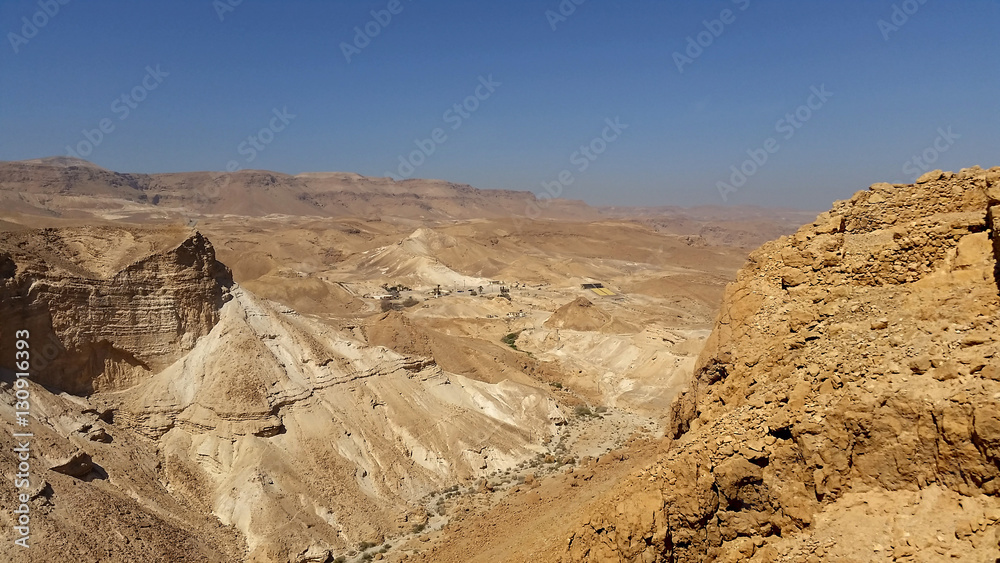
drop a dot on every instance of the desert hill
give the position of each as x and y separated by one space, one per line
582 314
579 314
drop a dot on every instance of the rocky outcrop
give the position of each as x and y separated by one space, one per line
845 406
107 325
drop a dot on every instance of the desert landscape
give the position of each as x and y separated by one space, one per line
215 382
314 384
499 282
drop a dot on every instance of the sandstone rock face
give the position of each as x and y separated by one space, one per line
106 308
845 406
107 321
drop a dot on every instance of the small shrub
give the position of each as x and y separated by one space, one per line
583 410
511 339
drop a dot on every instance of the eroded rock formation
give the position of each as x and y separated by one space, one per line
106 320
845 406
175 408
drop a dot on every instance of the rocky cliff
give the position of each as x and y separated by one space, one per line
845 406
107 318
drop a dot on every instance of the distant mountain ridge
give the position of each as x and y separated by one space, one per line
54 185
75 189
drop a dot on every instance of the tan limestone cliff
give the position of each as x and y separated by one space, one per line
845 407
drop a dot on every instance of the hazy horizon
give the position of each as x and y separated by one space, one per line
775 104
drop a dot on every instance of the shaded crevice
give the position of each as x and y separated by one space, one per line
781 433
992 213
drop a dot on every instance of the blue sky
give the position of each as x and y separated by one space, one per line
928 87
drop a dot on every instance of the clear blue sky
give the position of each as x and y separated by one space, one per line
608 59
